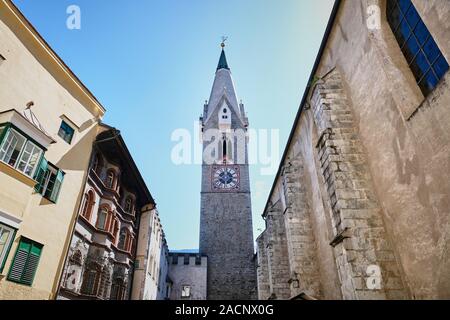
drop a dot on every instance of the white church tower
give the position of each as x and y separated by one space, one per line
226 234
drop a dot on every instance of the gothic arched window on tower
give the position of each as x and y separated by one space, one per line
424 58
224 150
229 150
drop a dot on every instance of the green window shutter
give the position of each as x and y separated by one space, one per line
40 175
25 262
20 260
32 264
57 187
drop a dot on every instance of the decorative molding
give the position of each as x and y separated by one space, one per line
10 220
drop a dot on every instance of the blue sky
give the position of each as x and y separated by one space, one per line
152 64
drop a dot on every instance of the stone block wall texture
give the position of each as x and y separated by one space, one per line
277 254
377 157
192 274
226 239
304 271
262 268
361 242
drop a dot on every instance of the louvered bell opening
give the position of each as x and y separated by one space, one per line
30 269
18 266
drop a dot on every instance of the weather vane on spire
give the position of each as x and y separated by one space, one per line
224 38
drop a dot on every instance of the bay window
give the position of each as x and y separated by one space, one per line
19 152
6 239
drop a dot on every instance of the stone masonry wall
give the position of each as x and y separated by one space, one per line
277 254
262 268
361 244
304 271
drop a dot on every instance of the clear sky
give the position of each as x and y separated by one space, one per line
152 64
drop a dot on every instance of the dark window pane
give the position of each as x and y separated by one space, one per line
419 66
412 16
405 29
391 5
428 83
411 49
441 66
394 16
404 5
402 33
421 32
431 50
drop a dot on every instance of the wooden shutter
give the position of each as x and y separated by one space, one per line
20 260
32 264
40 175
25 262
57 186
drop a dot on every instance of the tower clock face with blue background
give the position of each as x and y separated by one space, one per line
225 178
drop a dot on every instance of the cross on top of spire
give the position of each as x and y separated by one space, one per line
223 41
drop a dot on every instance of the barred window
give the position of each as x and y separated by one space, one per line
418 46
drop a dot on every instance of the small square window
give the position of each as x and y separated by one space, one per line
66 132
185 291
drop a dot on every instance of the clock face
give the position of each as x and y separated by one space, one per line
225 178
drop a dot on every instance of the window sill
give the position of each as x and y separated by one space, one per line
19 283
7 169
431 98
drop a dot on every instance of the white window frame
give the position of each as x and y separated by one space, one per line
51 170
8 242
8 144
21 152
27 163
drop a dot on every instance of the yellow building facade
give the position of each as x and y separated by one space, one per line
48 123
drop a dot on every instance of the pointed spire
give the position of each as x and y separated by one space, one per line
223 60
